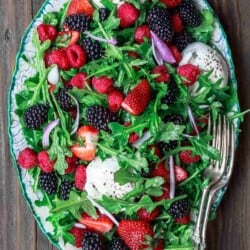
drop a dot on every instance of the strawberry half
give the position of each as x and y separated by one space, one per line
137 100
134 233
70 36
80 7
180 174
46 32
187 157
100 225
160 171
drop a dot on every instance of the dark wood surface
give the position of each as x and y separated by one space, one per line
230 231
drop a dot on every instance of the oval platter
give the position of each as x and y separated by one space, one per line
23 71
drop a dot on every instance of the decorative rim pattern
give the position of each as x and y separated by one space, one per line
17 141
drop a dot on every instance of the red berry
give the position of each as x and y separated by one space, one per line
78 235
72 164
176 53
177 23
184 220
80 7
187 157
160 170
76 55
71 35
47 32
27 158
103 84
79 80
133 54
128 14
189 72
162 71
166 193
160 245
115 99
147 216
142 32
171 3
80 177
44 162
59 57
133 137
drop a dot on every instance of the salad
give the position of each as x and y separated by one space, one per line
116 120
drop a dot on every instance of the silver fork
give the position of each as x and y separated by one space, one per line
228 161
214 171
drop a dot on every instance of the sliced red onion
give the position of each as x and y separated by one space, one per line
156 54
112 41
146 136
204 106
163 49
79 225
77 120
47 131
172 177
192 120
104 211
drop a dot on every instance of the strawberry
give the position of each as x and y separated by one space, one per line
115 99
160 170
78 235
100 225
103 84
137 100
46 32
162 72
27 158
166 193
176 53
160 245
188 158
142 32
79 80
76 55
171 3
71 36
128 14
157 151
80 177
44 162
184 220
58 57
87 151
189 72
177 23
144 215
80 7
180 174
133 137
72 164
134 233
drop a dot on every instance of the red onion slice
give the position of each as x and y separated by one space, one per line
104 211
163 49
77 120
192 120
156 54
146 136
172 177
79 225
47 131
112 41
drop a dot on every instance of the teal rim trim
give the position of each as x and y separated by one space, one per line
18 57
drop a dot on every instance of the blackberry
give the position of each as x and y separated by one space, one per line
189 13
104 14
48 182
77 22
118 244
176 119
92 241
64 100
35 116
179 208
167 146
172 95
65 189
93 49
100 117
159 21
182 40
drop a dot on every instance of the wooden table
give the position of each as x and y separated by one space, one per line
231 230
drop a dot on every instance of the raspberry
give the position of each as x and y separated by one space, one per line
142 32
76 55
189 72
128 14
47 32
79 80
58 57
44 162
177 23
171 3
187 157
103 84
78 235
80 177
162 71
115 99
27 158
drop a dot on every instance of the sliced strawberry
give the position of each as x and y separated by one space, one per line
115 99
142 32
70 36
103 84
187 157
58 57
160 171
144 215
171 3
47 32
180 174
80 7
137 100
184 220
134 233
85 153
76 55
88 134
100 225
128 14
79 80
78 235
80 177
